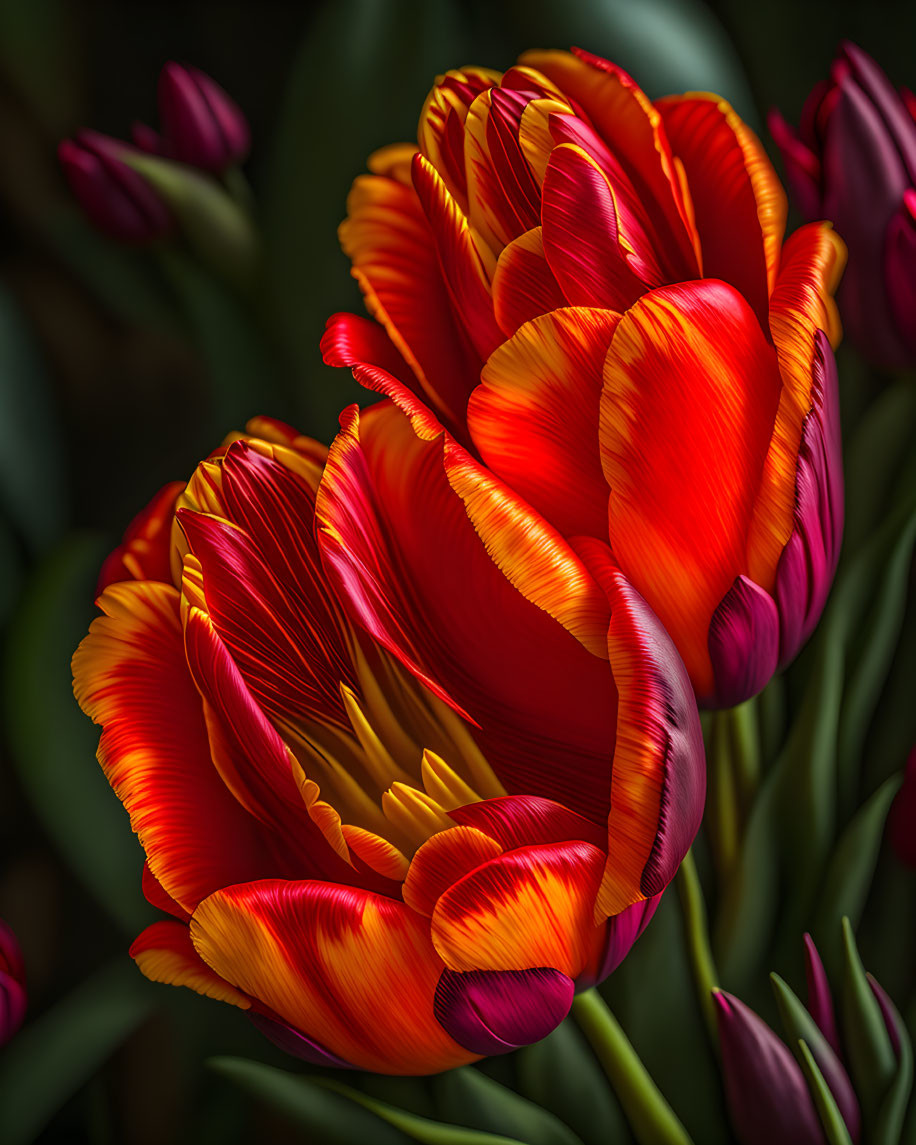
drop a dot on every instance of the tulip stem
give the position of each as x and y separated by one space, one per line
696 934
651 1118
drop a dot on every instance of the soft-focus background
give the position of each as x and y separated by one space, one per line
119 370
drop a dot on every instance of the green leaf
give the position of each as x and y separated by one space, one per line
801 1028
54 744
872 1061
696 936
668 46
827 1111
50 1058
880 442
561 1074
31 471
852 866
379 60
337 1114
468 1097
892 1111
884 567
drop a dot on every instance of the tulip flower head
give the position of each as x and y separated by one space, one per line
853 160
115 198
201 124
408 770
592 291
12 984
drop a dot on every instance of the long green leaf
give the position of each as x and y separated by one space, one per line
468 1097
49 1059
54 744
827 1111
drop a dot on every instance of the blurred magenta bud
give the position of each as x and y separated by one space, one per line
901 824
12 984
115 198
853 161
767 1095
201 124
820 999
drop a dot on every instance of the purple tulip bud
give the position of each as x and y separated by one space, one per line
768 1098
147 139
201 124
892 1019
820 1000
853 161
115 198
12 984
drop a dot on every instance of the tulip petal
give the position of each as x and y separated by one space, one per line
806 568
13 1005
467 270
164 953
768 1099
398 541
803 168
899 261
131 676
743 643
633 131
659 761
351 970
690 394
157 896
528 908
496 1011
443 860
521 820
524 286
594 262
534 414
393 252
812 261
739 204
144 554
442 120
622 931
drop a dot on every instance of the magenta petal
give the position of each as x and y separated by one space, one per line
896 1030
12 1006
496 1011
291 1041
802 166
202 125
809 560
743 643
820 1000
886 100
622 931
768 1098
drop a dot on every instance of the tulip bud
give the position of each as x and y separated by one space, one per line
12 984
853 161
201 125
768 1098
115 198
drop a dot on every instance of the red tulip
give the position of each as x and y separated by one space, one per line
408 770
853 160
592 291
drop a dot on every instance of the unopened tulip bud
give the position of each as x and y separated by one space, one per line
12 984
768 1098
853 161
201 124
114 197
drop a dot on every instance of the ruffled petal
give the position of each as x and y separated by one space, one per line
144 553
521 820
164 953
393 252
739 204
131 676
442 861
658 787
534 416
441 130
690 393
524 286
353 971
531 907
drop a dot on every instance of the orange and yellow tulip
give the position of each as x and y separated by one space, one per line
408 770
591 291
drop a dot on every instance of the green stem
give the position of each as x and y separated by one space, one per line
746 749
722 806
651 1118
696 934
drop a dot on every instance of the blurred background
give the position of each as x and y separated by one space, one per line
120 369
